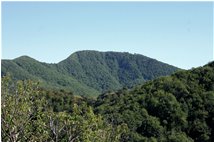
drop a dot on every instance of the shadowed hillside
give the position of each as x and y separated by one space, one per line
176 108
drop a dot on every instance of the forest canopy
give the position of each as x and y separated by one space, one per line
176 108
88 73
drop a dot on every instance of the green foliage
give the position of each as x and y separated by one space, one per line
21 105
88 73
27 116
150 127
176 108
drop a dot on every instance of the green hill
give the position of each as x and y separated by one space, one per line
176 108
27 68
89 72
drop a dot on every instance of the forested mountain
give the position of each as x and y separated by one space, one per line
88 72
176 108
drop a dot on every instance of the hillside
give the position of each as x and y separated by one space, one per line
176 108
89 72
24 67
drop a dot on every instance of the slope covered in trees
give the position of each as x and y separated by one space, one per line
88 72
176 108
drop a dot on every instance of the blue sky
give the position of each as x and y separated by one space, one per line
177 33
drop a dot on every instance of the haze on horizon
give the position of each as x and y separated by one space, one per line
177 33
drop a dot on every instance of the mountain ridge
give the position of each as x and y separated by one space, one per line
93 71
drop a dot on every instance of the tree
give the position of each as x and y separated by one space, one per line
27 117
20 107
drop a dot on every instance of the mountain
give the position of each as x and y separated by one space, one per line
176 108
89 72
27 68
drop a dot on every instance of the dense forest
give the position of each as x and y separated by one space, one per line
88 73
175 108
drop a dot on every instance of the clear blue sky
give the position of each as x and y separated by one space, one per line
178 33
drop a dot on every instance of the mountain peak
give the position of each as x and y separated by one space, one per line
24 57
